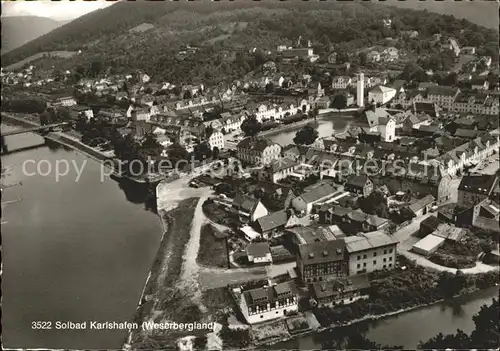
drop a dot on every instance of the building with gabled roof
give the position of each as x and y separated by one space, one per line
255 150
422 206
381 95
342 291
320 261
268 302
443 96
370 252
271 222
475 188
359 184
249 208
259 253
314 195
486 215
278 169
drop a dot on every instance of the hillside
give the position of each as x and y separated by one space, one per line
19 30
483 13
224 32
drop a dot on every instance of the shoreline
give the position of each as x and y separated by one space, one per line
127 345
160 274
78 146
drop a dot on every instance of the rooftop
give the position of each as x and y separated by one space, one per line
257 144
272 220
258 249
334 287
369 241
320 252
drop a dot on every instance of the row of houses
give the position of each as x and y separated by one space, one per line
347 82
451 99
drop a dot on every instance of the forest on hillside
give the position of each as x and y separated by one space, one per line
225 33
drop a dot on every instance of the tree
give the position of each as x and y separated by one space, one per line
202 151
251 126
375 203
339 101
450 79
412 71
306 136
313 112
458 341
200 342
150 147
95 68
209 130
215 153
269 88
342 56
484 336
363 57
63 114
81 124
177 152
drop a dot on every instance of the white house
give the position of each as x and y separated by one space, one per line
381 94
269 302
66 101
342 82
314 195
259 253
387 128
216 140
370 252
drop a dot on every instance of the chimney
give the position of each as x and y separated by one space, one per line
325 253
311 255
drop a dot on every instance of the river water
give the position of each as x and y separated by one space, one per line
81 251
326 126
72 251
409 328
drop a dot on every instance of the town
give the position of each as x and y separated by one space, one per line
396 209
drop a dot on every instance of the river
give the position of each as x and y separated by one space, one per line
326 126
409 328
72 251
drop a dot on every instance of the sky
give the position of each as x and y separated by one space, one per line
58 10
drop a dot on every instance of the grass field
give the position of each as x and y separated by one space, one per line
213 251
59 54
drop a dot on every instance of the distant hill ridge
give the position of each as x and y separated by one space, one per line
108 30
19 30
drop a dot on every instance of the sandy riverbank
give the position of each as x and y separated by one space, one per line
162 300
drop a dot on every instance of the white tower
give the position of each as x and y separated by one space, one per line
360 85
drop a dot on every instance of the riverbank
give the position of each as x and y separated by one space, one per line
111 164
162 301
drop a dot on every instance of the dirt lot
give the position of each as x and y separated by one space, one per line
162 301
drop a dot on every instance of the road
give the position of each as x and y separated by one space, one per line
189 281
404 235
407 240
